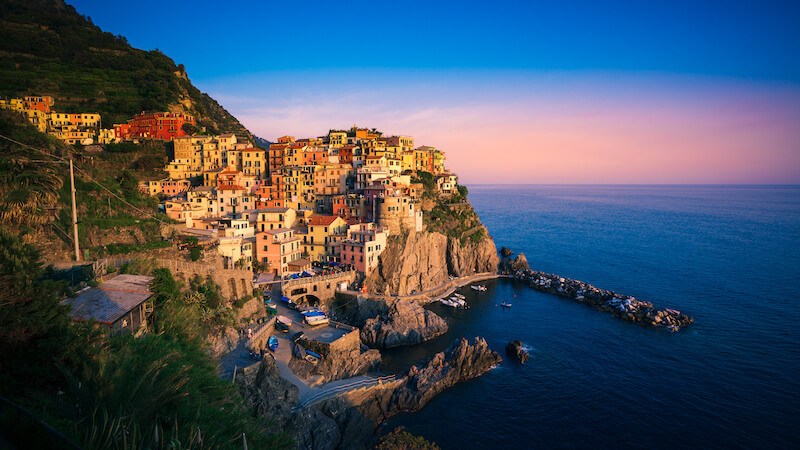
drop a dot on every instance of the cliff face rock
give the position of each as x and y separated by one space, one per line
406 323
412 264
223 342
469 257
424 260
267 394
462 361
338 364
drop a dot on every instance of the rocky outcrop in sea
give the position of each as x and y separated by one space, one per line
461 362
516 350
624 306
406 323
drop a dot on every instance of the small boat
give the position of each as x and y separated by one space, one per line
312 313
448 302
270 305
459 301
317 319
285 320
457 295
505 304
312 357
272 343
478 287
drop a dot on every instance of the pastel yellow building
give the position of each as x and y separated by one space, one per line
319 242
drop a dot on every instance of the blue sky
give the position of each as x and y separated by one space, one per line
557 91
757 40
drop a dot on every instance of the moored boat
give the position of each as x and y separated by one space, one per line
272 343
505 304
284 320
317 319
448 302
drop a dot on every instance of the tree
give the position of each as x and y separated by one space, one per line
35 332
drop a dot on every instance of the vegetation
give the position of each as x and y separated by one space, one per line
400 439
47 48
450 215
160 390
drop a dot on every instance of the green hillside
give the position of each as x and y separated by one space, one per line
47 48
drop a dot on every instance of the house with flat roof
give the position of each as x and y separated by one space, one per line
122 303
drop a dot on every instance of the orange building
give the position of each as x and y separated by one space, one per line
159 125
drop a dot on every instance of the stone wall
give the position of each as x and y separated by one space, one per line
233 283
322 287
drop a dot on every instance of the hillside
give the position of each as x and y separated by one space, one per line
47 48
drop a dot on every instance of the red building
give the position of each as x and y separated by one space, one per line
159 125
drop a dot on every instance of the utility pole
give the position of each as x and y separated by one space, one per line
74 213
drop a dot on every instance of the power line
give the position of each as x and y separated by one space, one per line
85 174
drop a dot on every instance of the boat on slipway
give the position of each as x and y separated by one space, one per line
272 343
478 287
315 317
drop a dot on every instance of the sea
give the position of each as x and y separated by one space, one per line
727 255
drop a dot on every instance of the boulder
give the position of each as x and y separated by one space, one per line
516 350
520 263
406 323
505 252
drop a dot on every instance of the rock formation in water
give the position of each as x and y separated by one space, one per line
406 323
516 350
462 361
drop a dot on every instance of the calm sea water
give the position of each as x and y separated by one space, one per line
729 256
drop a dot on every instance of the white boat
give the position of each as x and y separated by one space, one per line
448 302
285 320
457 295
459 301
505 304
317 320
478 287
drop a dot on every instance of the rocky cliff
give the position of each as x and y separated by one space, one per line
351 420
406 323
461 362
424 260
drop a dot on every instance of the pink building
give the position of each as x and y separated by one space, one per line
364 244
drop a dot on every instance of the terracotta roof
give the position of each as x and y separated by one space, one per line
112 299
230 187
322 220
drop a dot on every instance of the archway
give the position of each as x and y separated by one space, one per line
312 300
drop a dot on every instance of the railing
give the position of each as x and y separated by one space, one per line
339 390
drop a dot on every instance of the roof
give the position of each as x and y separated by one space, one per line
112 299
299 263
322 220
277 231
267 210
230 187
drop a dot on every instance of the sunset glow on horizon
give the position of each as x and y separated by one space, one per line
518 127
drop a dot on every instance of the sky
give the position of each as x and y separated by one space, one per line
514 92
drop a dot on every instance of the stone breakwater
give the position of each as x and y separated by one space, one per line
624 306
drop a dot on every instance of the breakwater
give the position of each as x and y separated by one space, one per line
620 305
